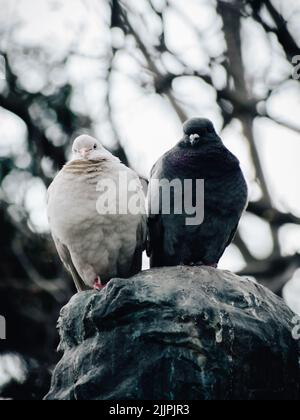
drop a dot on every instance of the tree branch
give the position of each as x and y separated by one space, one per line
271 215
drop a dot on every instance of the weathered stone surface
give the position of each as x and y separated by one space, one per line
177 333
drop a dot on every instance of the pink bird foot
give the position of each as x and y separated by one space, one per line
98 284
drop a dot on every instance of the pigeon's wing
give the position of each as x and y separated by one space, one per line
141 231
65 256
141 238
63 251
156 241
155 225
243 202
231 238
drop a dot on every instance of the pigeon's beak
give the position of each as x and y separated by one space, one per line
194 138
84 152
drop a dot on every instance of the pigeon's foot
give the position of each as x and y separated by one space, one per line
202 264
98 284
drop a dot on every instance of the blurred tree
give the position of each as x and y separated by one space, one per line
33 283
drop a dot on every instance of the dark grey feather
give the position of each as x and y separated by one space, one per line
172 242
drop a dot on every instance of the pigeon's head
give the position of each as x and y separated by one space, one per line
197 131
88 148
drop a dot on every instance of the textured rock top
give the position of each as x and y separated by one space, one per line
177 333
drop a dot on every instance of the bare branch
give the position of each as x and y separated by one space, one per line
271 215
273 273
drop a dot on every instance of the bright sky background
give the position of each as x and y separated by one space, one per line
147 122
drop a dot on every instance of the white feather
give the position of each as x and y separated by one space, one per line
99 245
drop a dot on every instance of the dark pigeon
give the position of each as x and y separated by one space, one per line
199 155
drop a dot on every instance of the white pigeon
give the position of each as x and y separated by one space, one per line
96 247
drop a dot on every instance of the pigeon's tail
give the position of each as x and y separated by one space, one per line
80 285
66 258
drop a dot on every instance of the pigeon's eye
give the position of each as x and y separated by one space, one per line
95 146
